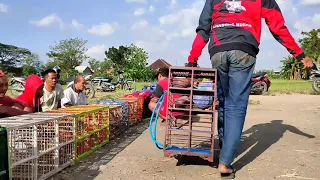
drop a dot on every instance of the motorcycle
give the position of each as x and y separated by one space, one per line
124 84
89 91
315 78
260 83
105 84
17 85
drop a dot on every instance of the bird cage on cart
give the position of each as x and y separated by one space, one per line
39 144
92 128
190 125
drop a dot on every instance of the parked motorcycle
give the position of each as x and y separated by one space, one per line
17 85
89 91
105 84
260 83
315 77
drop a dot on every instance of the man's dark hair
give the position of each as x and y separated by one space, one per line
46 72
163 71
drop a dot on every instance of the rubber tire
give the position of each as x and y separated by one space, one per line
265 87
315 85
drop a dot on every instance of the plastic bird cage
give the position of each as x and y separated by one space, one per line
4 167
133 110
92 128
39 145
190 124
140 103
118 116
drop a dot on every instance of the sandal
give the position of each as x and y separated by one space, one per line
231 175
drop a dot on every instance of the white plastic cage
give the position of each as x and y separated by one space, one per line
39 144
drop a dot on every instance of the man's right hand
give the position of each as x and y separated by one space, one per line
191 64
307 62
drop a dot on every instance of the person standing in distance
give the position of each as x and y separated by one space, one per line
233 30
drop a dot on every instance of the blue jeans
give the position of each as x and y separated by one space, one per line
235 69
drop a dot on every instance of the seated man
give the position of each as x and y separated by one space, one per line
33 92
9 106
162 86
74 95
52 92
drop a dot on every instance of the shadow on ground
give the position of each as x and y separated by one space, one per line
89 167
259 138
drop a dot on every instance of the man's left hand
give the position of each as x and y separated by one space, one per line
307 62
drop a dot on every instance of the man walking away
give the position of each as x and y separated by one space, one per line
53 92
75 95
234 29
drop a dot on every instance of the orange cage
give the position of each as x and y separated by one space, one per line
140 104
133 110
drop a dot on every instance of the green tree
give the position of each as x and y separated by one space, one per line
68 53
94 64
136 64
293 69
311 45
12 56
131 59
118 56
31 65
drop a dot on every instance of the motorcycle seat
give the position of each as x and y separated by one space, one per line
258 74
102 78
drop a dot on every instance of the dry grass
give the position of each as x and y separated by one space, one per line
290 87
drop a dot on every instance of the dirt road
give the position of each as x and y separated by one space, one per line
282 142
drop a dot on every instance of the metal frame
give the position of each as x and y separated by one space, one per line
185 139
39 144
88 138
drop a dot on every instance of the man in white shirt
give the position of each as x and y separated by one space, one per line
75 95
52 92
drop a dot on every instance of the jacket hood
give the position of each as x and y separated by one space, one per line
33 82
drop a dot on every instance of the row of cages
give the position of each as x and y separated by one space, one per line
39 145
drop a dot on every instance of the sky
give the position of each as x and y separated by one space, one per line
164 28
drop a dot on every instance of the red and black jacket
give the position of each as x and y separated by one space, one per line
236 25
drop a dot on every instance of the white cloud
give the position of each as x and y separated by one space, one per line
140 24
4 8
310 2
173 4
47 21
139 12
75 24
151 8
103 29
136 1
308 23
183 21
97 52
